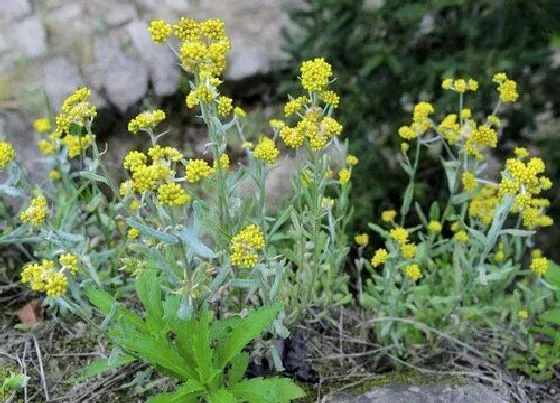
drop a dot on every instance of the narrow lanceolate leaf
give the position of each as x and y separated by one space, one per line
238 367
517 232
244 332
188 392
194 244
152 233
94 177
272 390
99 366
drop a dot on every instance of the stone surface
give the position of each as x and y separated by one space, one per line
475 393
29 37
125 81
245 63
121 14
12 9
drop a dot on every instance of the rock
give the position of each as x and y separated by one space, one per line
121 13
178 5
62 77
125 81
162 63
245 63
14 9
474 393
67 13
29 37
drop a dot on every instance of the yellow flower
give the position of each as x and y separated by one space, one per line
315 74
56 284
472 84
413 272
186 29
197 170
460 85
331 127
42 125
134 160
132 233
362 239
36 212
222 163
327 203
508 91
399 234
77 144
493 120
447 83
461 236
69 261
134 205
7 154
449 128
469 181
172 194
352 160
213 29
523 314
388 215
330 97
146 121
291 136
276 123
160 30
380 257
406 132
245 246
466 113
54 175
408 251
456 226
239 112
294 105
46 147
521 152
224 106
539 265
33 274
434 226
344 176
126 188
266 150
145 178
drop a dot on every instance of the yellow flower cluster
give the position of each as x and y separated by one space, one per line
172 194
44 278
330 97
266 150
344 176
469 181
146 121
459 85
160 31
450 129
69 261
399 234
36 212
461 236
362 239
7 154
315 74
221 164
196 170
483 205
420 121
42 125
352 160
77 110
413 272
245 246
408 250
224 106
203 48
434 226
132 233
77 144
388 215
539 265
202 93
507 88
380 257
47 147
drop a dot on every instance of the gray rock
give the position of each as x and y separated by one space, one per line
29 37
475 393
67 13
121 13
125 81
161 62
245 63
62 77
178 5
13 9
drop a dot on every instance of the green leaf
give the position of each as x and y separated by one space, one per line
187 392
221 396
194 244
199 339
101 299
103 365
244 332
94 177
552 316
238 367
517 232
272 390
148 289
245 282
152 233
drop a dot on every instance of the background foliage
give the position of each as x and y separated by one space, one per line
385 55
